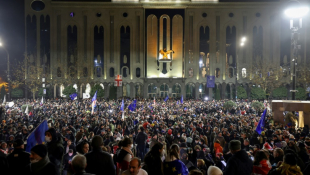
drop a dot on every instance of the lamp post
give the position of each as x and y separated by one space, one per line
243 40
8 70
295 12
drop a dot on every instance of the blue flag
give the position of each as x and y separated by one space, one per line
182 99
73 96
175 167
37 136
210 81
261 123
122 106
94 101
166 98
133 105
177 102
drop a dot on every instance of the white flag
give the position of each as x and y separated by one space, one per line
4 100
27 110
123 117
42 101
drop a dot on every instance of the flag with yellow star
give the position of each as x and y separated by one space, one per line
175 167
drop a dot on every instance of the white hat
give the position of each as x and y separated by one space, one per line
213 170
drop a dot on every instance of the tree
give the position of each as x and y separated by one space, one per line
99 89
279 93
301 94
29 74
48 92
241 93
257 105
2 92
17 93
303 75
258 93
228 105
266 74
69 90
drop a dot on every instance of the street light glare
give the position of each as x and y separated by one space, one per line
0 44
296 12
242 44
243 39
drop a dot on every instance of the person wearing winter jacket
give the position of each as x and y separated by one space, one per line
55 148
239 163
261 165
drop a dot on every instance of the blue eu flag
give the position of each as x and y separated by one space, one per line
122 106
182 99
210 81
261 123
175 167
73 96
133 105
37 136
166 98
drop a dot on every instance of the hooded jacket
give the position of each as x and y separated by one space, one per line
239 164
55 149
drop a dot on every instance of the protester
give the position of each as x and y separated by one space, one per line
123 155
40 163
288 167
55 148
135 168
18 159
239 163
261 164
99 162
79 164
67 161
141 139
153 160
172 164
213 170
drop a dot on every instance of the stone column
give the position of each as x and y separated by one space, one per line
231 91
197 91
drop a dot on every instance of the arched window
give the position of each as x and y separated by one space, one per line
138 72
125 72
98 71
176 90
58 72
151 90
111 72
164 90
243 72
231 72
217 72
85 72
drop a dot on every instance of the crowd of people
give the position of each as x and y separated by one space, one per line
192 137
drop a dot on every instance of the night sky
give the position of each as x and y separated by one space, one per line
12 30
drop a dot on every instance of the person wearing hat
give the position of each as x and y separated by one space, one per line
239 163
18 159
55 148
39 162
99 162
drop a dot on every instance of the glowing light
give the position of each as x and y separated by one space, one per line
296 12
242 44
206 98
243 39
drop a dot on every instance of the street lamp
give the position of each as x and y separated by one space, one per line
8 71
243 40
295 12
